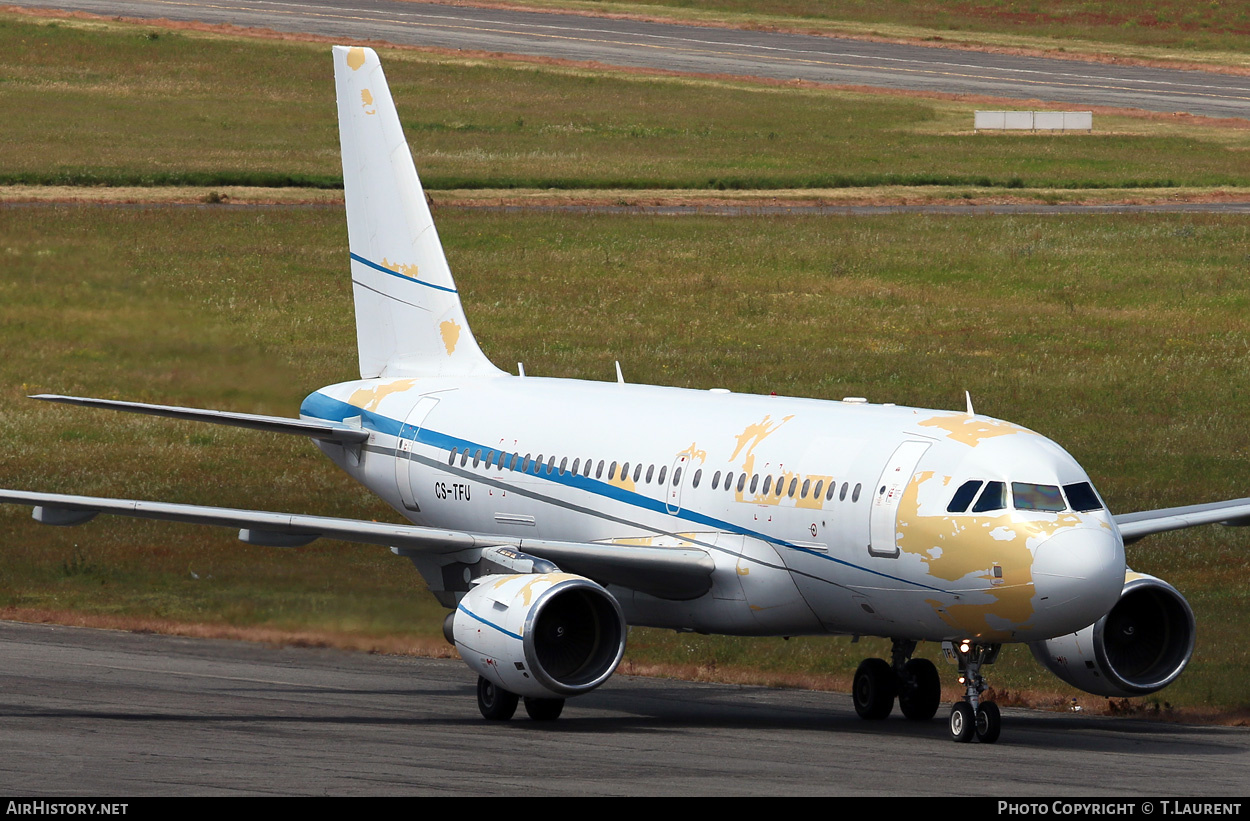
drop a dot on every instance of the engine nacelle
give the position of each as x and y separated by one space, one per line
540 634
1139 647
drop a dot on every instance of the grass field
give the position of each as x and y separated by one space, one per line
112 104
1121 337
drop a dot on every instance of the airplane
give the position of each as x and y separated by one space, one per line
550 515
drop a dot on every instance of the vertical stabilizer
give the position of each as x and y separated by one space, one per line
409 321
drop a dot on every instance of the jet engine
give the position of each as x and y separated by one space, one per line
540 635
1139 647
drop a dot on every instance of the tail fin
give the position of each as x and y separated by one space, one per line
409 321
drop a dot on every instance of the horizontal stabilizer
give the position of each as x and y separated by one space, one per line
670 573
338 434
1133 526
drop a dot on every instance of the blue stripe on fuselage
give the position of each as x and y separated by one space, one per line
320 406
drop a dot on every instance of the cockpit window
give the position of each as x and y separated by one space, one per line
1029 496
994 497
963 496
1082 497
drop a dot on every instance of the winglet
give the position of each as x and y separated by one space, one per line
409 320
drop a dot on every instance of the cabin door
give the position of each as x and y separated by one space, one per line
887 493
404 464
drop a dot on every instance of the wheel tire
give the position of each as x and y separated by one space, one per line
963 722
544 709
989 722
873 689
921 696
496 703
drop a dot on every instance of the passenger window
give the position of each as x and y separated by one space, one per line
698 474
829 493
963 497
794 486
807 485
1082 497
1028 496
551 464
576 464
586 469
563 463
676 476
855 493
624 471
994 497
742 481
663 472
525 464
716 480
599 469
637 472
612 473
490 457
842 495
755 480
650 473
768 484
451 459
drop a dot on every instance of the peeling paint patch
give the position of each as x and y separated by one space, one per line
451 334
972 430
750 437
355 58
366 101
694 453
409 271
371 398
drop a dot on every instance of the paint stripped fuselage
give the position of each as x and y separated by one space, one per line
878 554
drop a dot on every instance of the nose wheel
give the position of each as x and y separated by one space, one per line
973 718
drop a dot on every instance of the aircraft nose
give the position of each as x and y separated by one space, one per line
1079 576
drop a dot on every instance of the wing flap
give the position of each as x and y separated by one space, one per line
1134 526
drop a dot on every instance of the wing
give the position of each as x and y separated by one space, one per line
1133 526
669 573
339 434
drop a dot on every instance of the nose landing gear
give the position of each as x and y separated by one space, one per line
973 717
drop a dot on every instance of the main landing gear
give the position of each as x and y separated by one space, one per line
973 717
914 682
918 688
497 704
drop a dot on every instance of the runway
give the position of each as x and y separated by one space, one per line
107 713
772 55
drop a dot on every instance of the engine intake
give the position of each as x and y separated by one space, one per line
540 634
1138 648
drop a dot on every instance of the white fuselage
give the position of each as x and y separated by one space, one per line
857 541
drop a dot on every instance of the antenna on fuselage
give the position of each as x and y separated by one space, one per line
520 369
620 377
968 398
